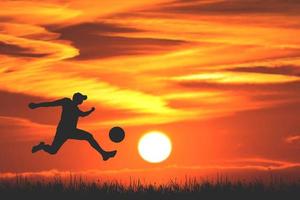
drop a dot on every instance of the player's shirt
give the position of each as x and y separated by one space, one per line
69 115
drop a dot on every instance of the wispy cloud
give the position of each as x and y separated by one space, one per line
15 130
134 61
232 7
292 139
283 70
257 167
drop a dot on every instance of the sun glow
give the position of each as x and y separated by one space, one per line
154 147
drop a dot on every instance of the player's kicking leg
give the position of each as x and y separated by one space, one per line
83 135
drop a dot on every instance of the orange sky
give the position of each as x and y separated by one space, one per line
220 77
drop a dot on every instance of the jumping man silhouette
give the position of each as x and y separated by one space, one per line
67 127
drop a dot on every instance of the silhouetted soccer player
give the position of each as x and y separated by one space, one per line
67 127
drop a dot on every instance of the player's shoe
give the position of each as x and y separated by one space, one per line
109 154
37 147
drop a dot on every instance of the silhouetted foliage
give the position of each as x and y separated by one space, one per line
77 188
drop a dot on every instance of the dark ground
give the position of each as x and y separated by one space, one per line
23 188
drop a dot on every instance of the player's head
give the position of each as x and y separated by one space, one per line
78 98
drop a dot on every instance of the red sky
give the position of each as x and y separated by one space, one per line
220 77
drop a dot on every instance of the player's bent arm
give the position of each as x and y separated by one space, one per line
84 114
48 104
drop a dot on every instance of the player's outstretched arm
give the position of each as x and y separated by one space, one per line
46 104
84 114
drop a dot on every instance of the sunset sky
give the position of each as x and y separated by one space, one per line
221 78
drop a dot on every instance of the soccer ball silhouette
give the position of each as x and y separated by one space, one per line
116 134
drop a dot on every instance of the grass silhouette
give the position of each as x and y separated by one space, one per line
77 188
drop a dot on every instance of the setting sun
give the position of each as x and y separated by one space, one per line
154 147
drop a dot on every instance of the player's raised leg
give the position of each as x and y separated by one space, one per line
37 147
51 149
83 135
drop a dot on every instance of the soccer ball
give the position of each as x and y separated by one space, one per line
116 134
